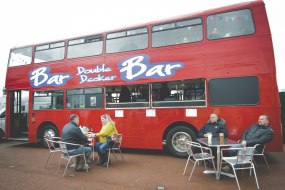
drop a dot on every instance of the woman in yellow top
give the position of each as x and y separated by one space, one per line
108 129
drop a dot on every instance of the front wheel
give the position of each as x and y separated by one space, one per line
48 131
173 138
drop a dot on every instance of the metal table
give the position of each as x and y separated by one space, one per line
215 142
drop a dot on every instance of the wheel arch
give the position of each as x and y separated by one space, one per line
179 123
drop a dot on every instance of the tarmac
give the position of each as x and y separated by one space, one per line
22 168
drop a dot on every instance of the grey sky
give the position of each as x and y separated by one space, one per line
32 21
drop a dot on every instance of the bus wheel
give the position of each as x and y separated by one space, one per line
2 135
48 131
173 137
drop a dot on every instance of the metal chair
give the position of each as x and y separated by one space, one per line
205 154
242 161
116 148
53 146
65 155
256 153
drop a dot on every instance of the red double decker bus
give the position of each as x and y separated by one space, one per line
159 81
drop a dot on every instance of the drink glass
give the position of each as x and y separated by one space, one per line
209 138
222 138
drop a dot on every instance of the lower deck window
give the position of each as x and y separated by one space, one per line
43 100
234 91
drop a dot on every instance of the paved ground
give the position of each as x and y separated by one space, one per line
22 168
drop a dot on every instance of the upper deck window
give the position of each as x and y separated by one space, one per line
92 45
127 40
49 52
235 23
21 56
179 32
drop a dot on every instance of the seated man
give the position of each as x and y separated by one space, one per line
259 133
71 133
215 126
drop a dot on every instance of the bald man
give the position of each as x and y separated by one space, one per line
214 126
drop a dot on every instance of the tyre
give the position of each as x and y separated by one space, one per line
2 136
48 131
174 147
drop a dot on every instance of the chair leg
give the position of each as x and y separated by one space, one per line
255 176
121 155
59 164
236 177
192 170
266 162
114 154
186 165
85 162
47 160
108 159
66 167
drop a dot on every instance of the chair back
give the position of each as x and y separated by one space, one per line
119 141
245 155
52 144
63 148
190 145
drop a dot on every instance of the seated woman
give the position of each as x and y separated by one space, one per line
108 129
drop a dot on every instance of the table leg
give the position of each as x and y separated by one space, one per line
218 163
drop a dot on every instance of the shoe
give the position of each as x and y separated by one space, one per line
82 168
226 168
99 162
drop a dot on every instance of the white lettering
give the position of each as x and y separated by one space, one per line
129 65
39 76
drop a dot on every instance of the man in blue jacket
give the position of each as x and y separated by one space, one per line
71 133
214 125
259 133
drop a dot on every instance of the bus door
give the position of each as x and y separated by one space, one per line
19 114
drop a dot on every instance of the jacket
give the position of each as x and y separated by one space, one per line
71 133
258 134
214 128
106 130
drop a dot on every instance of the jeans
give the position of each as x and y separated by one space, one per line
234 152
87 151
102 147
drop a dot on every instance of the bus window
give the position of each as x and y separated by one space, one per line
128 40
43 100
21 56
234 91
180 32
235 23
49 52
179 93
127 96
83 98
92 45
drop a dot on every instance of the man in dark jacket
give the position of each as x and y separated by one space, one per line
215 126
71 133
259 133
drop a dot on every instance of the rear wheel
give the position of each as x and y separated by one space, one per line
48 131
173 137
2 135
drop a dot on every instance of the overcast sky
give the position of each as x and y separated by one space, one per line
36 21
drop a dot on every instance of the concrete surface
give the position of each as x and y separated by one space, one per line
22 167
